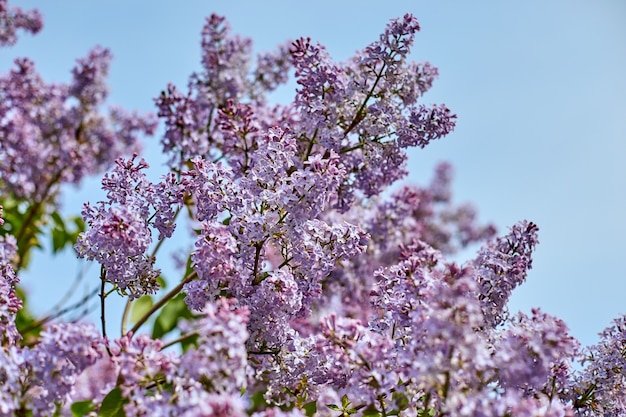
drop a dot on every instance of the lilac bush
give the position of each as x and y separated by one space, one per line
311 286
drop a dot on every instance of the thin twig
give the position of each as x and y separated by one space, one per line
179 339
102 303
173 293
52 316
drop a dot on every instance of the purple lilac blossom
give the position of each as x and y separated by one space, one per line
534 354
501 266
64 351
14 18
601 386
10 303
54 133
119 230
220 361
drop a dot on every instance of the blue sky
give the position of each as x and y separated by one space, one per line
539 89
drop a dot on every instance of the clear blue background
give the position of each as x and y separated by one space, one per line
539 88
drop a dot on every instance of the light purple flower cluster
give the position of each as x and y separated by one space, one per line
40 377
191 119
54 133
366 108
120 234
14 18
203 381
502 266
601 387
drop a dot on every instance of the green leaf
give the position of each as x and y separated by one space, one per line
82 408
59 239
172 312
161 281
371 411
141 307
57 219
310 408
333 407
113 404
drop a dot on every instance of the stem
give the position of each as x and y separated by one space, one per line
179 339
257 278
310 147
381 401
21 236
173 293
359 114
129 301
102 304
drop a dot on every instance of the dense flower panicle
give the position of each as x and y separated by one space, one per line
272 68
120 233
427 214
14 18
96 381
215 261
213 189
501 266
509 404
239 131
219 362
225 61
89 77
321 91
361 363
323 245
55 133
366 108
183 138
143 369
63 352
193 119
534 354
410 214
10 303
424 125
12 374
601 386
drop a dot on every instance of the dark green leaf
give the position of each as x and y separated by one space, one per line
167 320
82 408
310 408
113 404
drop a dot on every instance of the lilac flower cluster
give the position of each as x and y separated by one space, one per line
191 121
54 133
120 235
601 387
13 19
502 267
308 291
